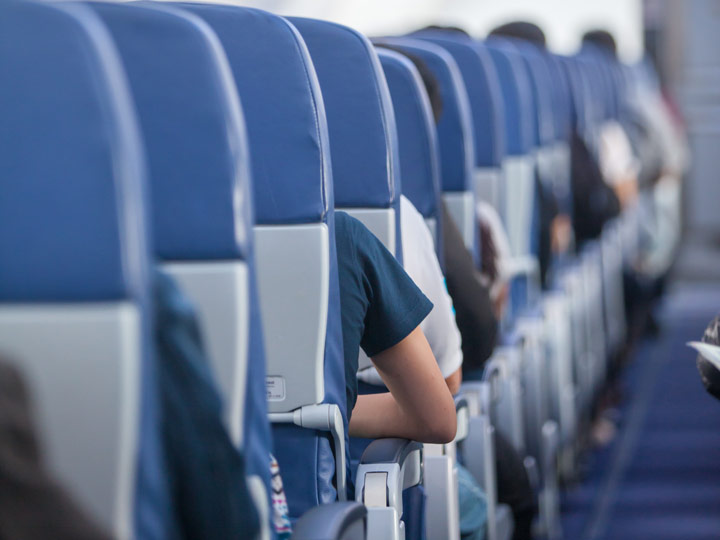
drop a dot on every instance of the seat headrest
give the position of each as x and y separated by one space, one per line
486 101
72 224
541 88
284 112
192 127
417 140
455 132
516 90
562 106
361 122
579 93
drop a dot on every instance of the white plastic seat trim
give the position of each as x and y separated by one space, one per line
220 293
82 366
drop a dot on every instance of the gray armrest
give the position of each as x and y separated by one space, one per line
462 411
389 451
387 467
337 521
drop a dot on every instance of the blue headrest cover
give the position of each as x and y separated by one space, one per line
486 102
541 87
598 61
455 132
562 106
360 116
192 127
284 113
72 227
417 140
518 97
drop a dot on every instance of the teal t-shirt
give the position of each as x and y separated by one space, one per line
380 304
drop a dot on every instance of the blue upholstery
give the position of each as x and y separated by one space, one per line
417 139
518 97
286 140
361 120
72 215
455 132
562 105
576 91
55 145
486 101
541 88
193 131
292 183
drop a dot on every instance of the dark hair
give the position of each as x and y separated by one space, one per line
522 30
601 38
432 87
449 29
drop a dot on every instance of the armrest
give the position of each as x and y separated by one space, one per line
337 521
462 411
389 451
387 467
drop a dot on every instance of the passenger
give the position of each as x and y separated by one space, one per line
381 311
594 202
421 263
33 505
709 372
660 146
206 471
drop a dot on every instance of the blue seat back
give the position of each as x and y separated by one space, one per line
197 159
361 123
417 140
455 135
518 212
487 108
562 122
74 284
199 180
294 234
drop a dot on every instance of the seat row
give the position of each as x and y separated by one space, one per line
217 142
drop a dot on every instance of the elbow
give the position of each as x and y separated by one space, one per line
442 430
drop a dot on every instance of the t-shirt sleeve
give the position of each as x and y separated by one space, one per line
396 305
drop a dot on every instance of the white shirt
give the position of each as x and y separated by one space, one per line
421 264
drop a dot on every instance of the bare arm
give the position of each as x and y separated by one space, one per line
454 380
419 405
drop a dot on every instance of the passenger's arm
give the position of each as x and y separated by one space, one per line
454 380
419 405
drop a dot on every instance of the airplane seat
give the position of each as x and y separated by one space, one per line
518 163
293 243
200 204
455 136
365 164
74 282
486 108
417 141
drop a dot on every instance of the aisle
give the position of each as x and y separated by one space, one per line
660 479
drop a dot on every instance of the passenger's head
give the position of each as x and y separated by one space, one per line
432 86
710 374
602 39
449 29
522 30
